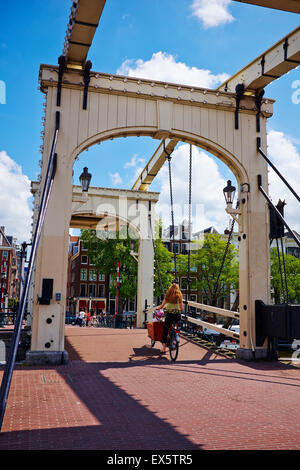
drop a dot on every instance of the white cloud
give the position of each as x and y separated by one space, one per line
15 211
163 67
116 178
212 13
208 205
286 157
134 161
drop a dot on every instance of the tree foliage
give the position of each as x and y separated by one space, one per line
105 253
164 271
292 268
209 263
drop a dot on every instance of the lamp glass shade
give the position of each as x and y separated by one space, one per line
85 179
229 192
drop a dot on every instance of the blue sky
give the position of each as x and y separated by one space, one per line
156 32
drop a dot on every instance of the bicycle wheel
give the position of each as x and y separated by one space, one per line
173 346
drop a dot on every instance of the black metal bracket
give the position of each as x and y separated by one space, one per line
86 78
258 100
168 155
61 69
262 63
285 48
239 90
279 321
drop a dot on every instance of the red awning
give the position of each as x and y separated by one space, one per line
82 304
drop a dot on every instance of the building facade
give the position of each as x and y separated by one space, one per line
86 288
9 263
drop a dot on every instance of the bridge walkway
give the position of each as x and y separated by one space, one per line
117 393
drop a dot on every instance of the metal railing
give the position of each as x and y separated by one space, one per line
205 324
51 169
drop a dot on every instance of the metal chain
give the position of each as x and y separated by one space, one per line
168 156
155 257
224 257
189 229
284 270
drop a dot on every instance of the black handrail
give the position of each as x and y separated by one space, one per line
51 169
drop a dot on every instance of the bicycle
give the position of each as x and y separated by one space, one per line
172 338
173 341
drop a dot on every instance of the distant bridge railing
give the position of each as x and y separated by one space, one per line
208 308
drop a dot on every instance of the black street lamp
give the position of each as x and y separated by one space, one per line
229 192
85 179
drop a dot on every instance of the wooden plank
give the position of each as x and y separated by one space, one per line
112 111
83 120
131 112
122 111
73 124
93 113
285 5
103 113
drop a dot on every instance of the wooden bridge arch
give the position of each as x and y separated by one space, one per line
119 106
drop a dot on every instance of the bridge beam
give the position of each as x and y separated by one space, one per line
267 67
84 19
153 166
287 5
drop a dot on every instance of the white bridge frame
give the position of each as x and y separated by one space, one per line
94 107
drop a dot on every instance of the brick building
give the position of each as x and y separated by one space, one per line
9 251
85 288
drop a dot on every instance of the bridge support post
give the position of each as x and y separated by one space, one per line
145 279
254 253
50 276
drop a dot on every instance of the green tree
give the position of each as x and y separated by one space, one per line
163 275
105 253
292 268
209 262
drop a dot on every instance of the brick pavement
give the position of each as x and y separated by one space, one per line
118 393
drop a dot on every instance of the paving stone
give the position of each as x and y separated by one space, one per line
118 393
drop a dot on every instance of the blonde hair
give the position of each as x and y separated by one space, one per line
174 294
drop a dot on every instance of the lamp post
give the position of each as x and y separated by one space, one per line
229 192
85 179
132 252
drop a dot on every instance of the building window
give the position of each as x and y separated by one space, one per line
92 290
101 290
82 290
83 274
83 246
184 248
84 259
294 251
92 275
101 277
176 248
184 285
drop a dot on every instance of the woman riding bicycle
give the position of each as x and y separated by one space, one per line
173 304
